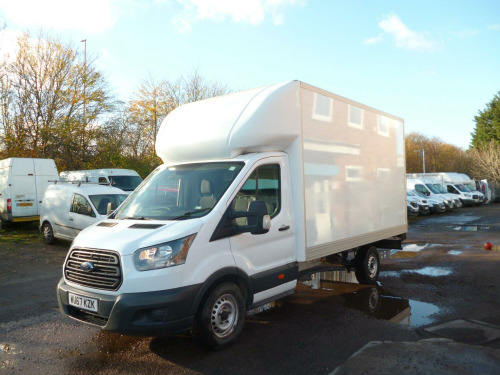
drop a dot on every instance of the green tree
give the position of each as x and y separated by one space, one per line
487 123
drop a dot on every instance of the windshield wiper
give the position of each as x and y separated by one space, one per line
185 215
136 218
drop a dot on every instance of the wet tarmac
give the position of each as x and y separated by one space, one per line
372 300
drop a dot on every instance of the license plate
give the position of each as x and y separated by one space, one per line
24 204
84 303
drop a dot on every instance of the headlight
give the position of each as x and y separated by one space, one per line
167 254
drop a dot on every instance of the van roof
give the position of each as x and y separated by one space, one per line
88 189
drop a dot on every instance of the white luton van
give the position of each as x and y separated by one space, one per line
125 179
257 187
23 182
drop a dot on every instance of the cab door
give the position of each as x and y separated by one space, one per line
269 258
81 215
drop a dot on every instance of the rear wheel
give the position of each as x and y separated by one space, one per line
222 316
367 265
48 233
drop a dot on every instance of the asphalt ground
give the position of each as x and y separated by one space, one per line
443 276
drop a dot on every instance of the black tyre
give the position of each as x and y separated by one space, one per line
367 265
48 233
221 318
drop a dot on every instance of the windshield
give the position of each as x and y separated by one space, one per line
126 183
101 201
419 194
432 188
440 189
180 192
463 188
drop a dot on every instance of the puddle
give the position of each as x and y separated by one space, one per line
469 228
426 271
455 252
390 273
432 271
421 313
413 247
374 300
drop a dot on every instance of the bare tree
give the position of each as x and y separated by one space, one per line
486 161
42 102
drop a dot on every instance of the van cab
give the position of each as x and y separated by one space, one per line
67 209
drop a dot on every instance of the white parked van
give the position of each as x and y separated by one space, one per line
426 187
458 184
257 188
125 179
69 208
22 184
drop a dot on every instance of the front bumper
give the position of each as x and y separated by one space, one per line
159 313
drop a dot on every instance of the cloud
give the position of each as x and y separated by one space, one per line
8 44
89 16
252 12
466 33
403 37
494 27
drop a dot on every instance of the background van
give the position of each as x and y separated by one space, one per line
124 179
67 209
22 184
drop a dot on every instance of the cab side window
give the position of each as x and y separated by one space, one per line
263 185
103 181
451 189
81 206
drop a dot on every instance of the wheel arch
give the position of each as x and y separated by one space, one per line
228 274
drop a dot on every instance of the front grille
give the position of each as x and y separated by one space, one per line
106 273
87 317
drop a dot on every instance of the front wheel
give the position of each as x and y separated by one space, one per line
222 316
48 233
367 265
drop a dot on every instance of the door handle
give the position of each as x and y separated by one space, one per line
284 227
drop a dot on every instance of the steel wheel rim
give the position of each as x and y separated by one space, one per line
372 266
373 300
47 233
224 316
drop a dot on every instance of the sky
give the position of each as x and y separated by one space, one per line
433 63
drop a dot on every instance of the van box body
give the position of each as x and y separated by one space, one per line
125 179
23 182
